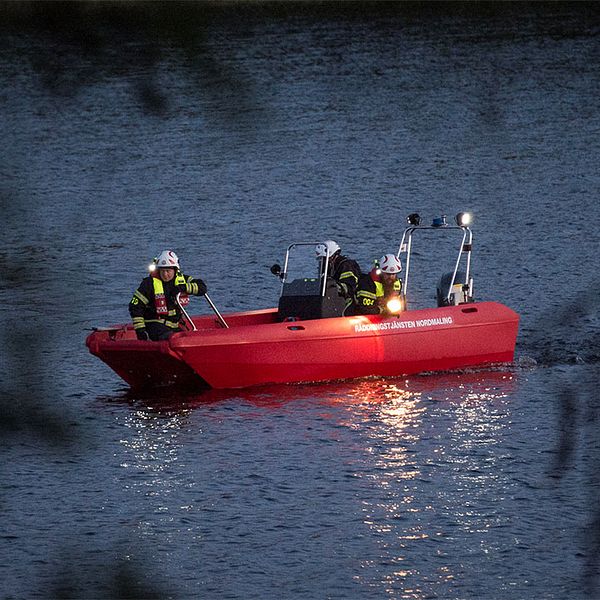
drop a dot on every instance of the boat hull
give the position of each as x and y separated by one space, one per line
256 349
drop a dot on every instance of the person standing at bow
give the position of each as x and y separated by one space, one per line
154 309
379 292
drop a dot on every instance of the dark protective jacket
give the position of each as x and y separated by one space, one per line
155 300
370 296
346 272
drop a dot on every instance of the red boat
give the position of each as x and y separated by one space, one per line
305 339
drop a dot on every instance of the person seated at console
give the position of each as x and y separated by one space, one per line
379 292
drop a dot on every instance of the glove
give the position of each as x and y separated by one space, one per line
142 334
342 290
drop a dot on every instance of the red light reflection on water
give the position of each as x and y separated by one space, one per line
445 386
430 462
422 456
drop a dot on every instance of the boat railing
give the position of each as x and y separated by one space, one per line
322 273
464 252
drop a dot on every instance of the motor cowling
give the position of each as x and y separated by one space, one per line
460 293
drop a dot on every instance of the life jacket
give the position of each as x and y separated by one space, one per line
375 274
184 299
160 300
380 292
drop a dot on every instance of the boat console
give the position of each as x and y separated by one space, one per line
308 297
302 299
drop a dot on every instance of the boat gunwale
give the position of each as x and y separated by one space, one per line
231 336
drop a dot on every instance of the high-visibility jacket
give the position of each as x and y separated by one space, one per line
155 300
370 296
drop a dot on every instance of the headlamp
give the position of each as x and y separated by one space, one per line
439 221
376 267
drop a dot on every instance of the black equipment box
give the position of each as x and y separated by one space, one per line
301 299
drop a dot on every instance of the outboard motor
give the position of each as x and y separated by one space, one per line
460 293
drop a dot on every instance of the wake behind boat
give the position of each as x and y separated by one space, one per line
306 339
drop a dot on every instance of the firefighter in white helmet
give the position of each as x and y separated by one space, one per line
342 269
154 310
380 290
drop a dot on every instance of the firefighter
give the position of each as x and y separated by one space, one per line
342 269
154 309
379 291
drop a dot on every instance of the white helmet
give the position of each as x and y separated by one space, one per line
390 263
167 259
328 246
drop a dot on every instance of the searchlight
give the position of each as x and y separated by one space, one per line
394 305
463 219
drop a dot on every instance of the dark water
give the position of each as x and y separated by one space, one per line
226 138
